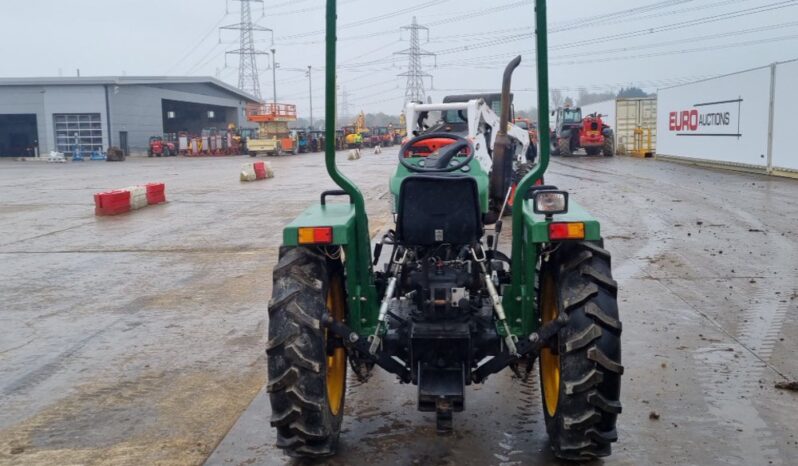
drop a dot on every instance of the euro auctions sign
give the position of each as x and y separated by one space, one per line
718 119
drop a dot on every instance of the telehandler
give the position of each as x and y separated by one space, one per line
573 132
448 308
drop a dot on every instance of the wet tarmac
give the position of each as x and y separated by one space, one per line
139 339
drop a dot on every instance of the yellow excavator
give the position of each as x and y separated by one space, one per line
355 133
401 132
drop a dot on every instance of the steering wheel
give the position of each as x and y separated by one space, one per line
441 162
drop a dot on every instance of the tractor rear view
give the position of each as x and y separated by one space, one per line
447 308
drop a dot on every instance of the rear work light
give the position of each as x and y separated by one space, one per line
550 202
560 231
315 235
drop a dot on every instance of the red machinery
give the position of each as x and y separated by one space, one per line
159 147
592 137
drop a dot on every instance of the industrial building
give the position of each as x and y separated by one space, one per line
39 115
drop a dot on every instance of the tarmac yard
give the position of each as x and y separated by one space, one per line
139 339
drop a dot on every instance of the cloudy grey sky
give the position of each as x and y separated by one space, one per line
598 45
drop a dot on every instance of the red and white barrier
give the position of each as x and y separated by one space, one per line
256 171
138 197
133 198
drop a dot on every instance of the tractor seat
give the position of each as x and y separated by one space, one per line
438 208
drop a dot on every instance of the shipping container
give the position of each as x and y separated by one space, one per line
632 114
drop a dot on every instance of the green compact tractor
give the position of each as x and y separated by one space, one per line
446 308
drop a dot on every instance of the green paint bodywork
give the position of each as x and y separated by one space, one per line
519 300
341 217
519 304
350 223
475 170
537 227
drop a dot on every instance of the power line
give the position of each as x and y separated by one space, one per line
679 52
196 45
492 59
502 40
373 19
683 24
305 10
345 110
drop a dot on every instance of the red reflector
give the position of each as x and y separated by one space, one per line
558 231
315 235
323 235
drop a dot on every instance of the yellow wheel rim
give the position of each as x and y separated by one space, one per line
336 363
549 362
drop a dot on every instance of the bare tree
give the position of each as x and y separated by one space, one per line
556 98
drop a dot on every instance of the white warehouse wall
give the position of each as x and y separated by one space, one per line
723 119
785 155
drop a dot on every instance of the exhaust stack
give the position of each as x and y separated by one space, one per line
501 177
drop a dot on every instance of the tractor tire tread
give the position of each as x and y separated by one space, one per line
601 278
589 346
307 433
596 399
588 418
285 418
582 339
279 302
580 296
576 261
297 356
301 316
584 384
294 354
596 249
596 355
283 338
315 451
283 381
601 436
564 146
601 317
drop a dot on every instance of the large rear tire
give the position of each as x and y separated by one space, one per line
564 146
581 374
609 147
307 374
